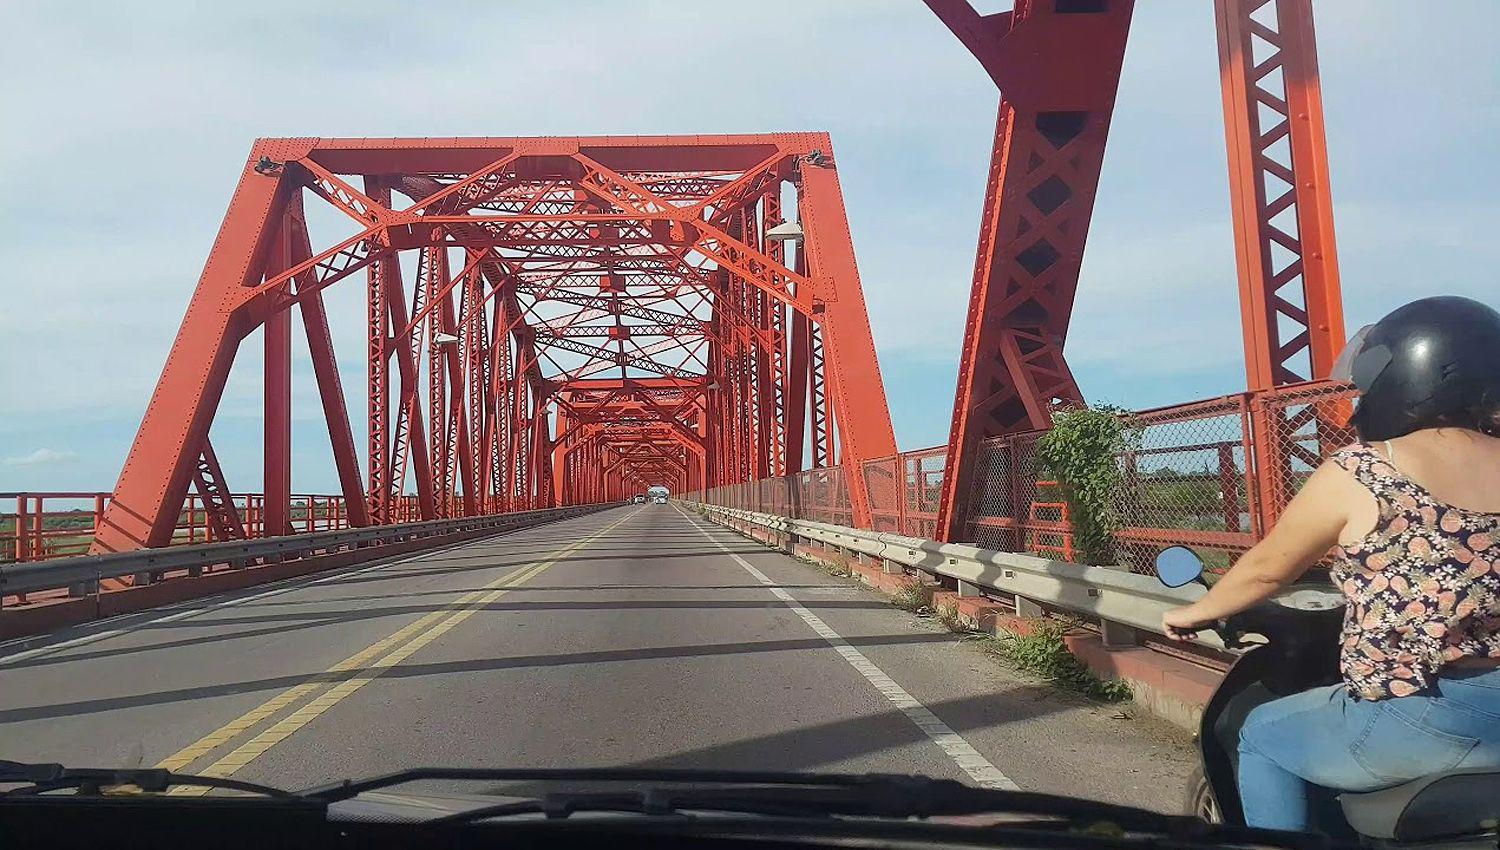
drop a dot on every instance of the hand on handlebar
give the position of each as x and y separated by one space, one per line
1183 624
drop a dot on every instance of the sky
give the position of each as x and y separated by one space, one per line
126 126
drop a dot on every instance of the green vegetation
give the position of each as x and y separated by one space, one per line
915 597
1081 450
1044 653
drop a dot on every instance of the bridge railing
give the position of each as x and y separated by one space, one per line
43 525
1210 474
38 596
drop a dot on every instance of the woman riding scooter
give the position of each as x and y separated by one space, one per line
1412 512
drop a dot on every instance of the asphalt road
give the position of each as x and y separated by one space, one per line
637 636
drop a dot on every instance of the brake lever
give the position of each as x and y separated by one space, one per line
1231 636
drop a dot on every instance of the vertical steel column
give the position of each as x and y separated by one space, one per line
1058 65
1290 302
797 391
441 461
277 456
1279 188
854 388
377 367
410 437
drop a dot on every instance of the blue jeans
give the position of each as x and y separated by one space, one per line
1292 747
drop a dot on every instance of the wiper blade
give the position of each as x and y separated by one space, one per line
91 781
769 793
351 788
879 796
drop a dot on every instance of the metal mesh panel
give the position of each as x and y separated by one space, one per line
1039 507
992 522
1212 475
1301 426
922 490
830 501
1187 481
882 491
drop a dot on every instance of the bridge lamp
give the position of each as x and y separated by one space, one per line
787 231
444 338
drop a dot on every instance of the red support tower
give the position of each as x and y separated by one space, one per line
1057 63
586 315
1290 302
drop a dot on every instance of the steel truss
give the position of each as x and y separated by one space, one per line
587 317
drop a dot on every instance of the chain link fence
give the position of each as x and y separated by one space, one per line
1187 479
1212 475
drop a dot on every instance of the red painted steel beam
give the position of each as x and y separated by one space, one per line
1282 204
277 389
1058 66
162 459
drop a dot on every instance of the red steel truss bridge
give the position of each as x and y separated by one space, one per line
563 321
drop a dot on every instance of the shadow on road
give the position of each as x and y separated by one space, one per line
407 671
818 745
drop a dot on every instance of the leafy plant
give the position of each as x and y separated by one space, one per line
1043 652
1081 451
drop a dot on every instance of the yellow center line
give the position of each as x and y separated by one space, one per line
360 672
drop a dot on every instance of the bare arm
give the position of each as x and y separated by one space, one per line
1306 531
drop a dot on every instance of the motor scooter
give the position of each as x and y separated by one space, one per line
1290 644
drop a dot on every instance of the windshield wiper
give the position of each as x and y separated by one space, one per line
91 781
877 796
818 798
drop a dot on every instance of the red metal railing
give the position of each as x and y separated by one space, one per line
55 524
1210 474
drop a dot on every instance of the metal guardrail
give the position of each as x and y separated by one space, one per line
88 570
1118 599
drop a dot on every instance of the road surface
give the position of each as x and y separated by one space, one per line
638 636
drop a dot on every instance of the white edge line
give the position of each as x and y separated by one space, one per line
963 754
285 586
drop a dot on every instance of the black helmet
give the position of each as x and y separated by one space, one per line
1435 361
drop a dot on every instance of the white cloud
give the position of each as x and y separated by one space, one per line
40 457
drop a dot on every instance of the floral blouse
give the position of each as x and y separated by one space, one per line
1423 586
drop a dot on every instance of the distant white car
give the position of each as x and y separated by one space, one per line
660 500
640 499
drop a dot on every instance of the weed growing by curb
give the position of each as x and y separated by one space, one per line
914 597
1041 653
1045 654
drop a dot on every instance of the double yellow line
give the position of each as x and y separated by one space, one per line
349 675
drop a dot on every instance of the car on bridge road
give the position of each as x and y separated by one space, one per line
638 499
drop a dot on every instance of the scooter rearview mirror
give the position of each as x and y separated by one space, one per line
1178 565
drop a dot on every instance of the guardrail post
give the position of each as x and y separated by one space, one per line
1117 635
966 589
891 568
1026 608
83 588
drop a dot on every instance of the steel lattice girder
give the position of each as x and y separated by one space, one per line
1058 66
620 289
